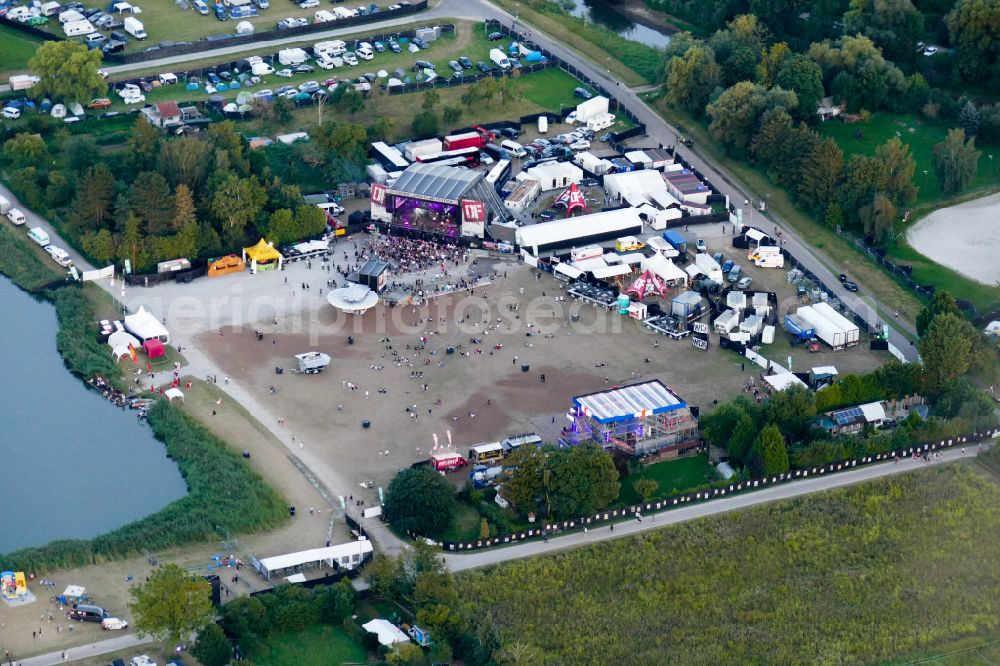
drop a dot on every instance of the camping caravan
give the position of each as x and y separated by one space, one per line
133 26
292 57
601 122
39 235
78 28
261 68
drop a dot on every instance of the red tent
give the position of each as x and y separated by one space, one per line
153 348
572 198
648 283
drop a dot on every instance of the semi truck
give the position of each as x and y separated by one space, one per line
824 329
851 331
798 327
464 140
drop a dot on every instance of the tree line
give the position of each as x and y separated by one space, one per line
759 97
782 433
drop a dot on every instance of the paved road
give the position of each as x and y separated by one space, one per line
107 646
629 527
33 220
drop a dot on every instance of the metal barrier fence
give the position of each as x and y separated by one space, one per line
673 502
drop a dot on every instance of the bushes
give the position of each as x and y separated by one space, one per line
842 575
420 500
21 264
76 340
222 490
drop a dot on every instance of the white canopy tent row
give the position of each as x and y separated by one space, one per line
343 556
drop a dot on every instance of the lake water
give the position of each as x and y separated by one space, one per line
73 465
604 16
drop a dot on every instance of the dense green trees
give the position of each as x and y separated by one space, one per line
769 455
564 483
735 113
691 78
973 28
421 500
942 303
894 26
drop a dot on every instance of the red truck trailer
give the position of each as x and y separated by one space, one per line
464 140
447 462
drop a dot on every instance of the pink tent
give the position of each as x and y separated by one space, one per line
572 198
646 284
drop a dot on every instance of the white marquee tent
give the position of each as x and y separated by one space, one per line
145 326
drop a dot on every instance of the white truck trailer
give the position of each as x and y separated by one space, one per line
851 331
824 329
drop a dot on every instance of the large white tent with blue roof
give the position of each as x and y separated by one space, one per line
640 419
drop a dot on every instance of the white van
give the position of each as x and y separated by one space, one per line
323 16
513 147
16 216
200 7
365 51
543 124
330 49
38 235
133 26
499 58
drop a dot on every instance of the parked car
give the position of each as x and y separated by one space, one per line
11 113
582 93
421 43
134 99
286 73
744 282
304 69
309 86
455 66
701 245
379 46
510 132
423 64
850 286
112 46
261 94
482 66
99 103
350 58
308 4
582 144
394 47
495 36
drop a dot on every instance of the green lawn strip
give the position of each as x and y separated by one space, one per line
24 262
837 253
439 53
674 476
631 62
17 49
319 645
839 575
164 20
921 134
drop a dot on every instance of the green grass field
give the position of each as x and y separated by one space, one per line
859 575
920 134
674 476
17 49
319 645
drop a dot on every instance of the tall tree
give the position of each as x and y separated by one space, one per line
943 303
421 500
970 118
899 168
224 136
171 604
691 78
235 203
804 78
526 476
143 144
956 161
742 438
771 59
584 480
947 350
769 453
132 244
94 195
212 647
184 210
185 161
864 176
26 149
150 199
68 71
821 176
878 217
99 246
281 227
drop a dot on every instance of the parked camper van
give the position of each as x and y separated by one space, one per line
39 236
133 26
514 147
15 216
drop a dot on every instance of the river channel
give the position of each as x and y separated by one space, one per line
617 22
73 465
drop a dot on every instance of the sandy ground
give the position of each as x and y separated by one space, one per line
965 238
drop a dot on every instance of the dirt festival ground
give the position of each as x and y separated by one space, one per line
965 238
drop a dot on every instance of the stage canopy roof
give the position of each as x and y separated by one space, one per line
450 185
145 326
262 252
346 555
636 401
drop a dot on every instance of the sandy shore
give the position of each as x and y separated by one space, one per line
965 238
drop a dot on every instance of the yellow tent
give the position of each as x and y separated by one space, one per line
263 256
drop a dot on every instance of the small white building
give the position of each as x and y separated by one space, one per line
523 195
592 163
638 187
554 175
